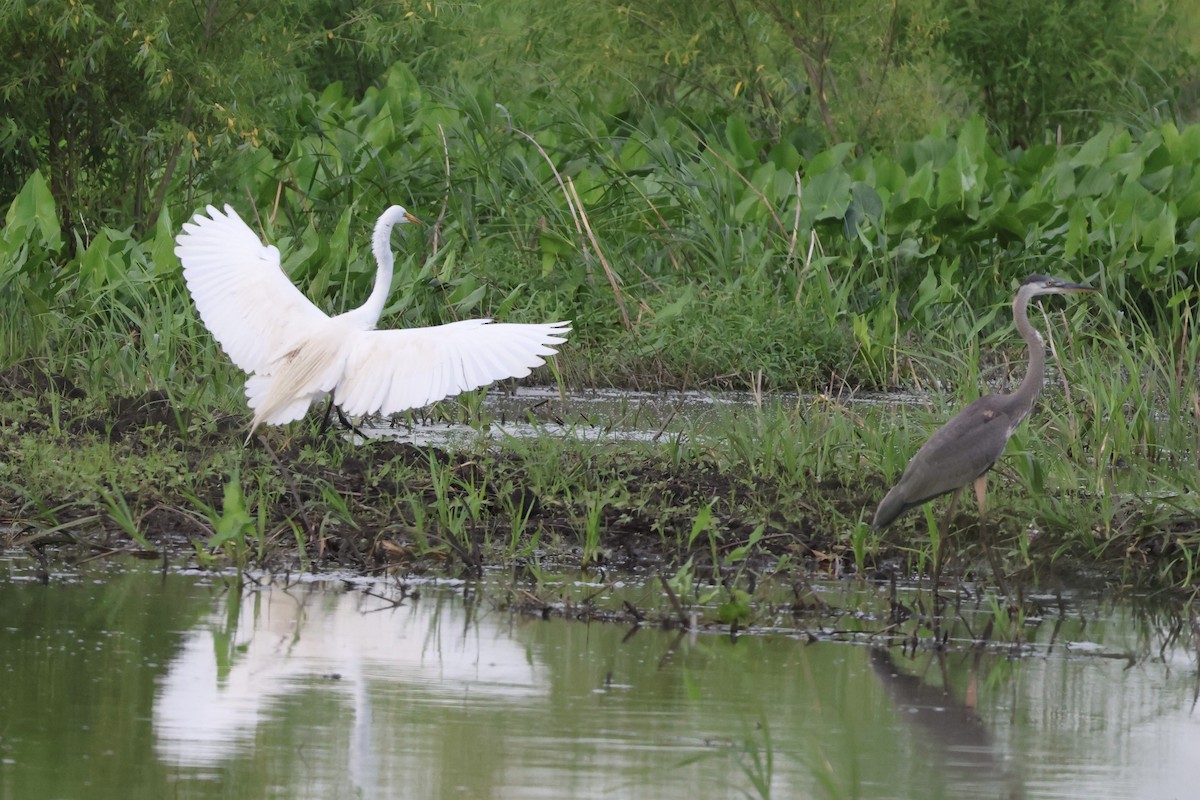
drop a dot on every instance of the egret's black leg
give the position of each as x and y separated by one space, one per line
342 418
345 421
326 417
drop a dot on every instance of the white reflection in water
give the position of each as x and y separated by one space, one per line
226 679
338 693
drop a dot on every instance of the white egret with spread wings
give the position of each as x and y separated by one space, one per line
296 353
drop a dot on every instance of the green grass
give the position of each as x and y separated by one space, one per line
687 256
1102 475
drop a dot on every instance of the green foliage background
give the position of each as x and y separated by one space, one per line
772 193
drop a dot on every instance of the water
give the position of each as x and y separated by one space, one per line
609 415
124 682
594 414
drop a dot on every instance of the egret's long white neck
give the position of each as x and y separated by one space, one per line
381 246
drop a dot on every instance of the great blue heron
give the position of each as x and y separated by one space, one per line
963 450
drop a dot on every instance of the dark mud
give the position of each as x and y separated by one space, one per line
318 501
300 471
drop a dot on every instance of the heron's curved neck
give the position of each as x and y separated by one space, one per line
1027 393
381 247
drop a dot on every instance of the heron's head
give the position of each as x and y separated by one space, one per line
1043 284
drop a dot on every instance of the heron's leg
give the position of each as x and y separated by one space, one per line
940 554
950 509
981 494
985 533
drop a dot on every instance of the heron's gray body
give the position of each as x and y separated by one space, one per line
959 452
966 447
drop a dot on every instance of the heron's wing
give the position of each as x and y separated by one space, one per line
394 370
243 295
959 452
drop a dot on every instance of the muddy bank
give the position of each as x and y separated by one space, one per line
306 470
144 473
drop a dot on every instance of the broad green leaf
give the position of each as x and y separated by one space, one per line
865 205
1159 181
1189 203
1130 165
234 519
954 181
750 207
633 155
867 200
1077 231
827 195
1158 235
862 330
920 185
34 301
1121 142
380 131
1142 204
677 306
402 86
162 251
332 95
1172 141
1095 150
34 209
972 139
93 264
738 137
339 240
553 247
1095 182
1062 178
889 175
913 210
12 258
1036 160
1189 146
830 159
1035 212
467 297
785 156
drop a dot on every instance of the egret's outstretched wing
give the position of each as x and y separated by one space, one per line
243 295
286 387
394 370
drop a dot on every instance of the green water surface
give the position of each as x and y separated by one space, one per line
125 682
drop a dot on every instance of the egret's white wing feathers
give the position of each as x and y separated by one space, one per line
394 370
283 390
298 354
243 295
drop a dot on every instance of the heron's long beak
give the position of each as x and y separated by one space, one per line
1075 288
411 218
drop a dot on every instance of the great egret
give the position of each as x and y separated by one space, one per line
963 450
296 353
